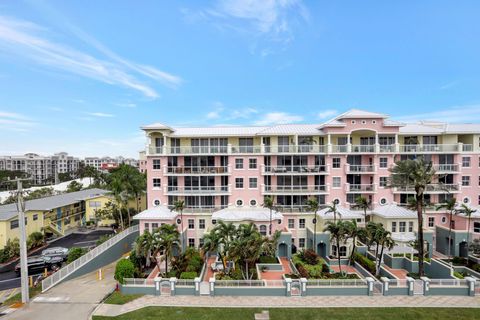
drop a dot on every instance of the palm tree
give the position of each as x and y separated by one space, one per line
120 198
449 205
384 238
165 238
337 233
227 233
270 244
418 174
269 204
211 243
179 206
467 211
143 247
313 206
333 208
353 232
362 203
247 248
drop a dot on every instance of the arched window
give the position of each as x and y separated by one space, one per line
263 230
334 250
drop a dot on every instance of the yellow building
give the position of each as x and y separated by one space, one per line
56 214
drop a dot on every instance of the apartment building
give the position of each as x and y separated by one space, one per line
231 169
108 163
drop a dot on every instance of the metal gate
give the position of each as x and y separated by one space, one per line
418 287
296 289
377 288
165 288
204 288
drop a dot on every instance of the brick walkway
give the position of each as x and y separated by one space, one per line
348 269
399 273
277 275
209 272
291 302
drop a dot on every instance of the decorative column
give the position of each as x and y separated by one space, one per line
426 285
303 286
370 282
197 281
385 282
471 285
173 282
288 282
157 285
212 286
410 284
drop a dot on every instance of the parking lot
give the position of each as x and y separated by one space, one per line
9 280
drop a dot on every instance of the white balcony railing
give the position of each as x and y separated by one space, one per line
354 168
197 170
363 148
439 168
339 148
295 149
295 169
415 148
197 190
298 189
387 148
439 187
360 187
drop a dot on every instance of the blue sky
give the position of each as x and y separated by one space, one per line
83 76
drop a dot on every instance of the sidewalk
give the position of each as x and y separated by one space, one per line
74 299
289 302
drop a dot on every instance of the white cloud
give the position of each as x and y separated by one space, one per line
127 105
11 121
465 114
327 113
213 115
28 40
100 114
277 118
244 113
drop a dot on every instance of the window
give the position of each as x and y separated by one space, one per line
394 226
383 162
253 202
252 163
201 242
238 163
444 220
94 204
35 217
191 242
301 242
291 223
353 122
383 181
374 121
191 224
410 226
431 222
466 162
13 224
156 202
336 163
263 230
402 226
301 223
363 122
201 224
383 201
156 164
239 202
238 183
465 181
466 200
157 182
343 251
337 181
147 226
252 183
476 227
336 201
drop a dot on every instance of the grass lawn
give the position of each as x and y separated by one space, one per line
118 298
183 313
17 298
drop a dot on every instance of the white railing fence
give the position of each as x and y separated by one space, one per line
336 283
138 282
61 274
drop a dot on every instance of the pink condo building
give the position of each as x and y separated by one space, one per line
224 173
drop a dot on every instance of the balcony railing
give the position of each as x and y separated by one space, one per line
354 168
467 148
363 148
197 190
299 189
339 148
415 148
295 169
189 150
440 187
198 170
246 149
387 148
360 187
295 149
446 167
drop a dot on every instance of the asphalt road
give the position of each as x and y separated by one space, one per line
9 280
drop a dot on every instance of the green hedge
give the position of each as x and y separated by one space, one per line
124 269
188 275
267 259
366 263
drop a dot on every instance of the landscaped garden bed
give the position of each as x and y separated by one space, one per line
309 265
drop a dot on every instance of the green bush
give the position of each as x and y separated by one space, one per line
365 262
188 275
476 267
12 248
124 269
3 256
102 239
302 271
74 253
310 257
267 259
458 275
459 261
35 239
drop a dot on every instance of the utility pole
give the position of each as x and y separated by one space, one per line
23 244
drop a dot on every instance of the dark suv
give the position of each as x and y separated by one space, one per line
56 252
37 264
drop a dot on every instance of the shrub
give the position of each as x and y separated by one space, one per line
325 268
124 269
310 257
267 259
3 256
188 275
35 239
459 261
302 271
476 267
12 248
365 262
458 275
102 239
74 253
314 272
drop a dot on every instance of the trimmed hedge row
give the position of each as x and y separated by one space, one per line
366 263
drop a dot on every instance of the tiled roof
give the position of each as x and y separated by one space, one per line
300 129
393 211
342 213
8 211
417 128
217 131
356 113
156 213
246 214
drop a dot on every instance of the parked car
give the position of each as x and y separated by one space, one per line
56 252
37 264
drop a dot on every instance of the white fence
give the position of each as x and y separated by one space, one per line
64 272
138 282
336 283
185 283
448 283
397 283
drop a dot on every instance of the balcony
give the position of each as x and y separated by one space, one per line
432 188
297 189
200 150
246 149
356 148
198 190
446 168
294 170
360 188
294 149
467 148
429 148
389 148
197 170
359 169
339 148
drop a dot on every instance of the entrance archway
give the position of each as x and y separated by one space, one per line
283 250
